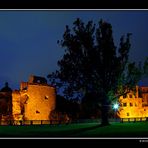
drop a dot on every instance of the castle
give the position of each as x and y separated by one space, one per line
32 104
134 106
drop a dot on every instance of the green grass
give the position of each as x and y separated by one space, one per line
138 129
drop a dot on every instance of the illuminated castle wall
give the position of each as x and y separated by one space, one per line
34 101
134 105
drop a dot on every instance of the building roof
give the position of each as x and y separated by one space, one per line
6 88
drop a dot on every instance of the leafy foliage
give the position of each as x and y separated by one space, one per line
93 64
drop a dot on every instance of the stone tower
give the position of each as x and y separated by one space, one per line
35 100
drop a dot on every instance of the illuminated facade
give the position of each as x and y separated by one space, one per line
33 102
134 105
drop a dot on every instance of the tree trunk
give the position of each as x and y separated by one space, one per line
104 110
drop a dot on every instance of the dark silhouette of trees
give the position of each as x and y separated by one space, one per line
69 106
93 64
89 106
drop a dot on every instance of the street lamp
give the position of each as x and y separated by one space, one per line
115 107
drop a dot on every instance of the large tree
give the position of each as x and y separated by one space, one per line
93 64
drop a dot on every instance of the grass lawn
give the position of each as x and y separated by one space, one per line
138 129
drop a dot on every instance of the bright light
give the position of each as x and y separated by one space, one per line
116 106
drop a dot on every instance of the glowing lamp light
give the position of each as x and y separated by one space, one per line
115 106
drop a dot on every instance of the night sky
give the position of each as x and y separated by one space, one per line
28 39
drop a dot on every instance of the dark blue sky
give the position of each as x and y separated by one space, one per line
28 38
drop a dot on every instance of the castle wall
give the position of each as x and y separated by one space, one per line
41 101
33 102
5 103
16 109
23 86
130 108
144 95
133 106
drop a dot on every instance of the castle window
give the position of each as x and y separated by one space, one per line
124 96
25 88
136 104
37 112
127 114
124 104
144 109
46 97
130 96
131 104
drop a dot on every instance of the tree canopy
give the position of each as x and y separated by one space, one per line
93 64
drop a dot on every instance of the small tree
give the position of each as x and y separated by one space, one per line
93 64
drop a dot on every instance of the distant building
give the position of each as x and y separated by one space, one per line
134 105
33 102
5 102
